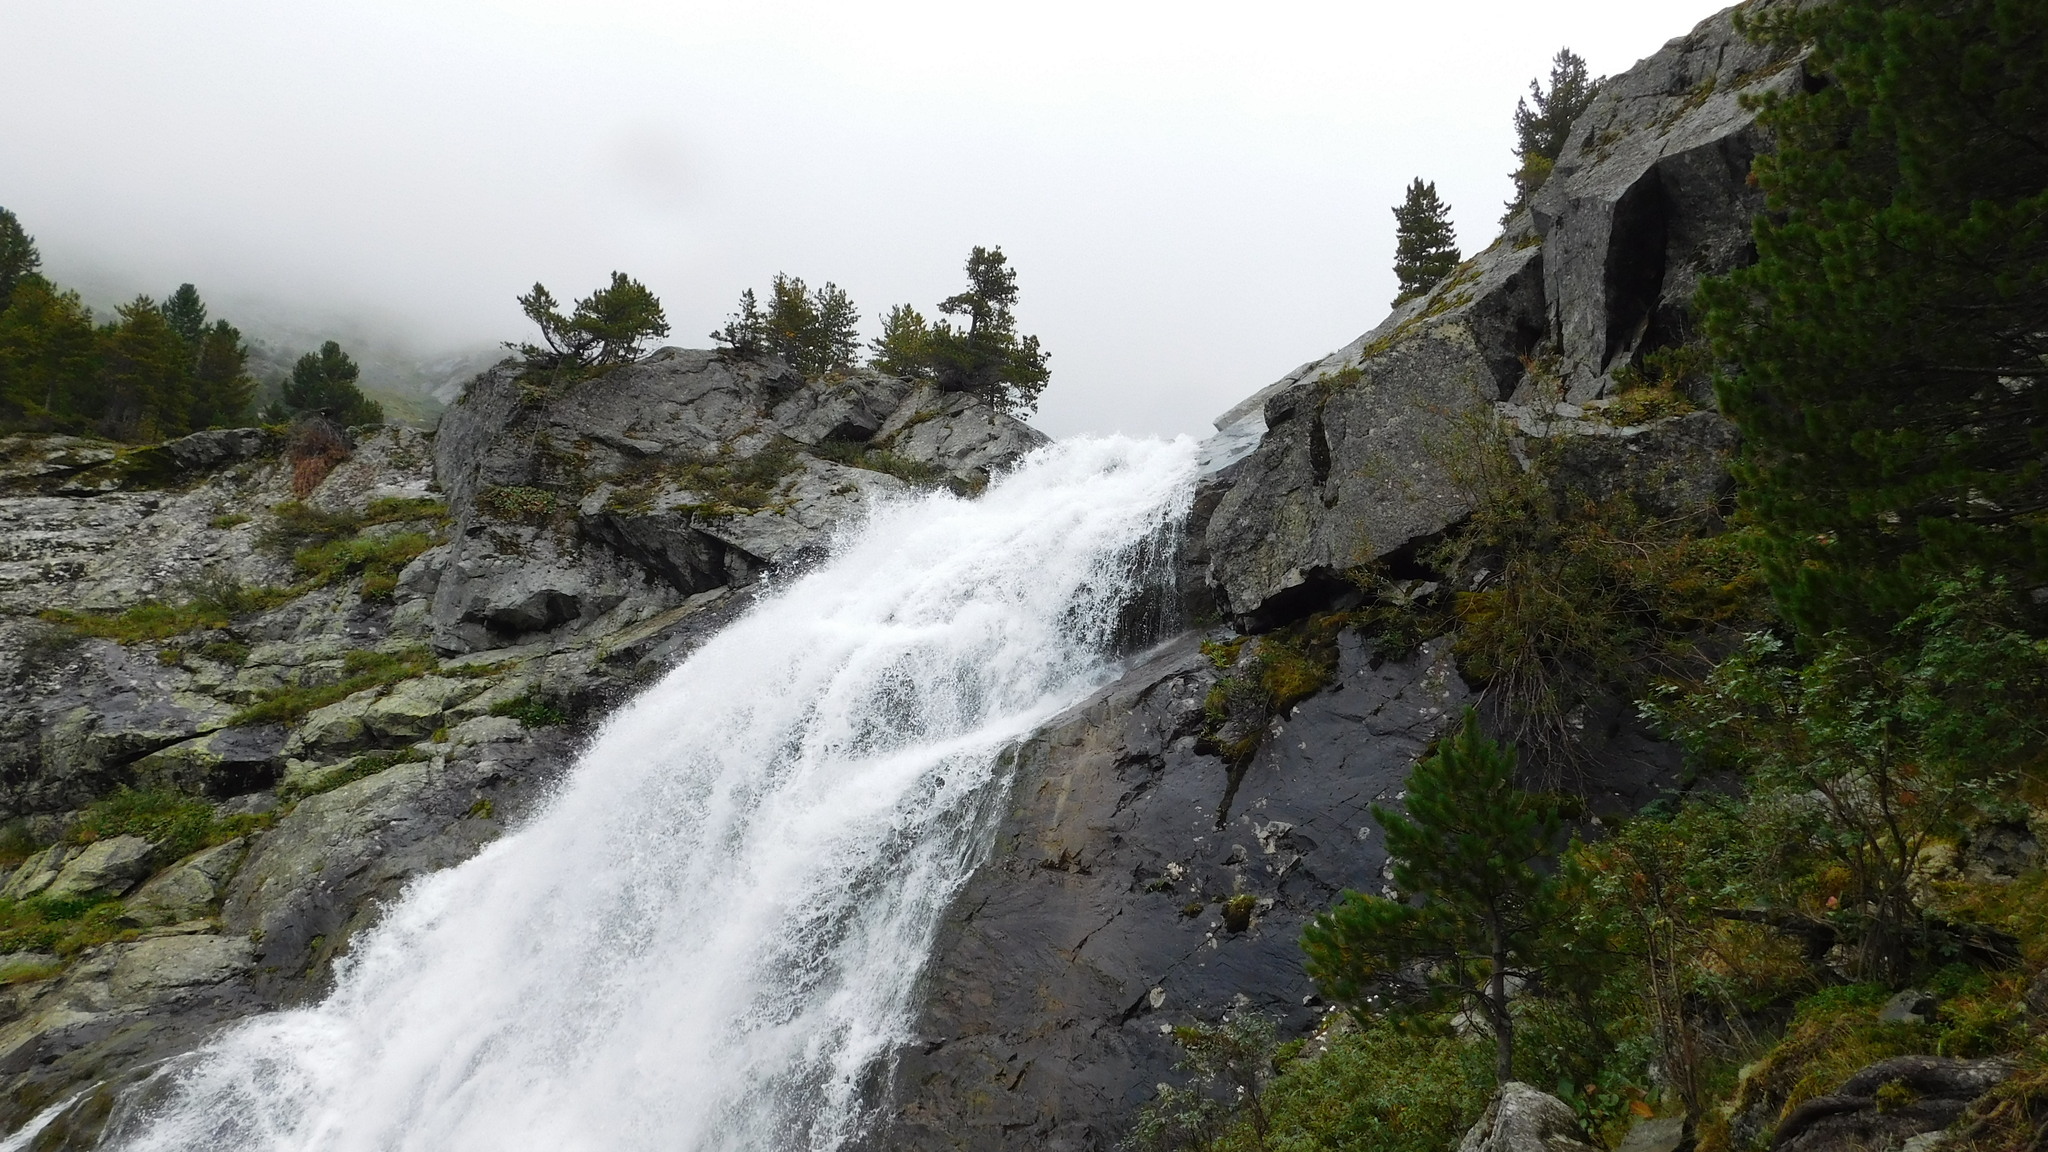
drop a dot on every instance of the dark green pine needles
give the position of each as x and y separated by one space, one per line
1892 338
1471 906
1425 247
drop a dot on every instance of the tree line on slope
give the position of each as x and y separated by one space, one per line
154 370
815 331
1724 954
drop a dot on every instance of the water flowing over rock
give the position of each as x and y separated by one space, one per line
713 932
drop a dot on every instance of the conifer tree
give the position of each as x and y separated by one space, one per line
813 331
1542 131
610 326
986 356
1890 345
1425 246
746 332
18 255
903 349
187 315
49 357
223 392
1470 906
324 382
144 389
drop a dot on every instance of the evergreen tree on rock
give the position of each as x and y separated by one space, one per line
1542 131
611 326
1470 908
986 356
1425 246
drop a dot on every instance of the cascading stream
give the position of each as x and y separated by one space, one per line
710 937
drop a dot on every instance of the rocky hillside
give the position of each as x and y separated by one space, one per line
254 686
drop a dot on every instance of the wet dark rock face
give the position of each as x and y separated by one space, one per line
1098 922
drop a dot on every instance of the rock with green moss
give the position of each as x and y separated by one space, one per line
102 869
188 890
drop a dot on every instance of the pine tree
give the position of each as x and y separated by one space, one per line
18 255
49 357
986 356
1890 345
325 383
746 332
1541 132
223 392
813 331
1471 908
186 314
903 349
611 326
1425 246
144 391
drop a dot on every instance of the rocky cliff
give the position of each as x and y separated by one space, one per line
255 686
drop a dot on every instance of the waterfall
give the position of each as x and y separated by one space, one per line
711 936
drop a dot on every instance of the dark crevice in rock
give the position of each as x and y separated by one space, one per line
1636 259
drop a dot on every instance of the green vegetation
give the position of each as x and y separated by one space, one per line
520 504
360 768
1472 908
610 326
151 372
985 356
324 384
361 669
330 546
1425 247
813 331
63 927
1378 1087
209 604
1542 132
1887 349
532 710
1855 662
176 824
882 460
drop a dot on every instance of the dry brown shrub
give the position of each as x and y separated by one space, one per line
317 446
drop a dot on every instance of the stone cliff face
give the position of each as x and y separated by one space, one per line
175 621
1140 882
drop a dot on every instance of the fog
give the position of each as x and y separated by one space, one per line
1196 196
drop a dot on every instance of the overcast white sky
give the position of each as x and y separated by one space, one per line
1195 195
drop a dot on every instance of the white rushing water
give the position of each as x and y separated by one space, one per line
711 937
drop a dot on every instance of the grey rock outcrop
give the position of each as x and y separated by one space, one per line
1344 462
1520 1118
589 508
